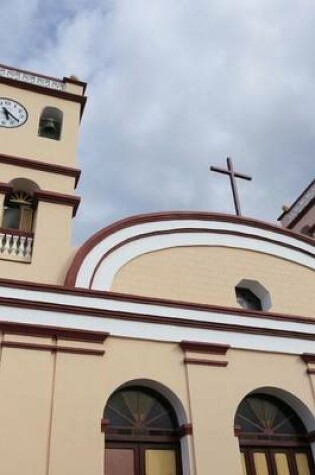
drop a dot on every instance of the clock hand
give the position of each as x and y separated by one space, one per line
6 112
10 113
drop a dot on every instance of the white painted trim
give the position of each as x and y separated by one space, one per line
209 316
155 331
116 259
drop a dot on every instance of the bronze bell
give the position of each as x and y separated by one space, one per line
49 127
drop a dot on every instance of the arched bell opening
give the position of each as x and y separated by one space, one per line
273 438
142 433
50 123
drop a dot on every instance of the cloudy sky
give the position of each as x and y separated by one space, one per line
174 87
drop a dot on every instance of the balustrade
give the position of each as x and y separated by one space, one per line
16 245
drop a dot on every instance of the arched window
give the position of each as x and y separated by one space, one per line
50 123
273 439
18 212
141 434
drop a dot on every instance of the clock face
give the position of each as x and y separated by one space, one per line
12 113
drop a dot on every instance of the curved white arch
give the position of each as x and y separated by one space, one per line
104 260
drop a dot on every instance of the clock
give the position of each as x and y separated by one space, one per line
12 113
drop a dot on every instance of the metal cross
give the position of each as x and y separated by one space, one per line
232 175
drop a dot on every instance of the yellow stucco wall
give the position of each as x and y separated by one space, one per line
209 275
51 405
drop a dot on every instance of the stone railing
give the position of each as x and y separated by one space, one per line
16 245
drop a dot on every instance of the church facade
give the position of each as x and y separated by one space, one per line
167 344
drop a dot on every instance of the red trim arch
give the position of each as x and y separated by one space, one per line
94 240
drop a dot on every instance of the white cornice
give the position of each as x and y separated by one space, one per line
155 322
31 78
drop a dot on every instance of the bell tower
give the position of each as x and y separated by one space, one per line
39 126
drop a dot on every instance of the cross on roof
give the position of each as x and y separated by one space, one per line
232 175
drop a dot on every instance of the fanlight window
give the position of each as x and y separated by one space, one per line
18 212
50 123
138 411
265 417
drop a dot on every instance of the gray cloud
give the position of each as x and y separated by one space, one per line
173 88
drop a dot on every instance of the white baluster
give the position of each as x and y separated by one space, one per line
21 249
1 241
28 250
14 248
7 244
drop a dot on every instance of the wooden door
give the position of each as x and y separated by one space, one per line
120 461
141 459
276 461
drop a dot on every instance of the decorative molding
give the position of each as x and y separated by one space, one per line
69 334
55 333
58 198
127 316
309 360
101 276
197 347
17 232
280 236
189 231
31 78
77 82
200 347
130 320
54 348
6 189
154 319
308 357
184 429
203 362
304 211
104 424
154 301
39 165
